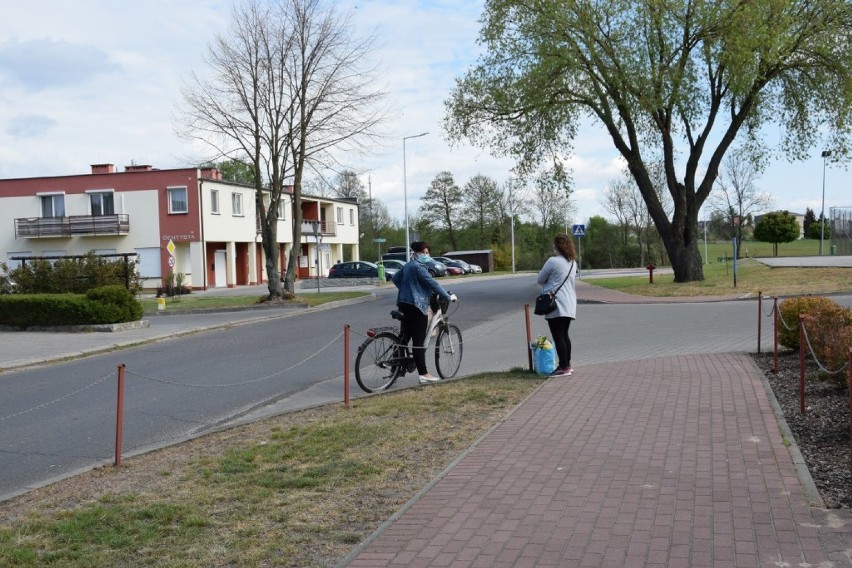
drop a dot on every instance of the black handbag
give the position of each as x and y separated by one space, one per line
546 303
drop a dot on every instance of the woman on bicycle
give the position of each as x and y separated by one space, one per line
416 286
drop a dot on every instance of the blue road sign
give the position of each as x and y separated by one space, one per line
579 230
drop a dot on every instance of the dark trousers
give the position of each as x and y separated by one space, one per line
561 341
414 327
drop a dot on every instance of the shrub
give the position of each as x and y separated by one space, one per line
828 326
118 302
173 285
109 304
73 275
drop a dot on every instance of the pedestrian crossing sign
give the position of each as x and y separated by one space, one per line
579 230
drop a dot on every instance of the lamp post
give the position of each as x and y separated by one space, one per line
825 154
405 191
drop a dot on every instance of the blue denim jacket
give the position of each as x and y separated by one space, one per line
416 285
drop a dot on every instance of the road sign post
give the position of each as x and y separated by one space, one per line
579 232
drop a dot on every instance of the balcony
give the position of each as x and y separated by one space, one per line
326 229
75 225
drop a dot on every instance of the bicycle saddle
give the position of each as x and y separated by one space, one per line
397 315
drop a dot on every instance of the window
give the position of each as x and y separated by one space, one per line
102 202
340 215
214 201
237 204
282 210
352 217
178 202
53 205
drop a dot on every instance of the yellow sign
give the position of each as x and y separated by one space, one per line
171 247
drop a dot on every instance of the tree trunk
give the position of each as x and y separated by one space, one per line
684 255
270 249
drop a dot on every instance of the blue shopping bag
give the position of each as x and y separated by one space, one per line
544 360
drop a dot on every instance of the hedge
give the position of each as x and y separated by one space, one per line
105 305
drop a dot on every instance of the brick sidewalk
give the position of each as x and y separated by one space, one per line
673 461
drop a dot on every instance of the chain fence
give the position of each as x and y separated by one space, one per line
795 327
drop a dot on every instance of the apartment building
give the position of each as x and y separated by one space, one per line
187 221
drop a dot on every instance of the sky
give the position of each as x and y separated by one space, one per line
99 81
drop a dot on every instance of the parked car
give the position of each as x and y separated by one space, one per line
454 270
354 269
476 268
466 269
392 266
435 268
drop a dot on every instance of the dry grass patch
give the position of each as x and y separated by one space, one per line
301 489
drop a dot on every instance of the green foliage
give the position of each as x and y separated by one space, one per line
73 275
173 285
777 227
828 326
118 303
106 305
234 170
814 231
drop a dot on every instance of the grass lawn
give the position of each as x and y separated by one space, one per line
300 490
722 250
201 302
752 277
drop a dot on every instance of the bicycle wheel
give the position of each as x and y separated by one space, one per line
376 366
448 351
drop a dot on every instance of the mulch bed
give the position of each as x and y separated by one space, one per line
822 433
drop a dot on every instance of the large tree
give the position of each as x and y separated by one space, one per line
289 88
677 78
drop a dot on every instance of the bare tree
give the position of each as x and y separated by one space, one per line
348 185
550 205
289 89
736 197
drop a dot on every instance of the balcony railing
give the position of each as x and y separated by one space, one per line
74 225
326 229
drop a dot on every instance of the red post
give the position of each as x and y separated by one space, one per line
802 362
119 415
651 268
759 317
529 334
346 365
775 341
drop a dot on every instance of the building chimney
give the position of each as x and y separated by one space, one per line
138 168
103 168
211 173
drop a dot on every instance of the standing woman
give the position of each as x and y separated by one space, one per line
416 287
559 268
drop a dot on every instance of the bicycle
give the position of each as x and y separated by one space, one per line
385 355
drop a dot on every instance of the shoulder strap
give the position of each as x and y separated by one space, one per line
566 278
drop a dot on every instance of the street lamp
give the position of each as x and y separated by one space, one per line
405 191
825 154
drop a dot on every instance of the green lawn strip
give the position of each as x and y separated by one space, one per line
190 302
725 249
752 277
296 490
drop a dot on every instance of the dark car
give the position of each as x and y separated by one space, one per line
354 269
466 268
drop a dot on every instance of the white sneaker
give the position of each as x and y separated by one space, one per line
424 379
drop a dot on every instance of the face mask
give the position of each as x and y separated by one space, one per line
424 259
